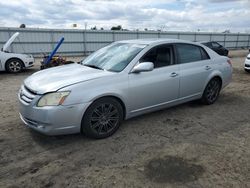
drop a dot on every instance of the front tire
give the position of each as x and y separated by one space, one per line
212 91
14 66
102 118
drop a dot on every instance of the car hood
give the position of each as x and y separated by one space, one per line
10 41
52 79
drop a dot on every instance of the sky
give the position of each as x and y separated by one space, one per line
166 15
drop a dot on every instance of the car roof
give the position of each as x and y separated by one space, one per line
207 41
151 41
159 41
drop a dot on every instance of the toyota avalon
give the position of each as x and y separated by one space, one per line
120 81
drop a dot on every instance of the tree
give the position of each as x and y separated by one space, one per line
226 31
94 28
22 26
119 27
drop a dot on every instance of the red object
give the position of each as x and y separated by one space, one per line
229 62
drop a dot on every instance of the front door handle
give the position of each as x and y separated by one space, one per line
173 74
208 67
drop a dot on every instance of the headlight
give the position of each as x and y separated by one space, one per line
53 99
28 56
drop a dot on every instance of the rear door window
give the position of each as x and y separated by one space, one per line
188 53
204 54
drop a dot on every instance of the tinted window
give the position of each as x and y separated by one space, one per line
188 53
204 54
215 45
161 56
209 44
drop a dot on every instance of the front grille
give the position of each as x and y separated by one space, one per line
26 95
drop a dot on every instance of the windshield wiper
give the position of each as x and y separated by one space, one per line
93 66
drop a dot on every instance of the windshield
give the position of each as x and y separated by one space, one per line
114 57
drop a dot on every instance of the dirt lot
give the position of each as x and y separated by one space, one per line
190 145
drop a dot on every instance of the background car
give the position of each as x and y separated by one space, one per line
218 48
120 81
247 63
13 62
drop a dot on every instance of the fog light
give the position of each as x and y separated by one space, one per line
40 126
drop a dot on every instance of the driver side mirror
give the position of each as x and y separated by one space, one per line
143 67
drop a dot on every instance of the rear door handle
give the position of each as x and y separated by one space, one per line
173 74
208 67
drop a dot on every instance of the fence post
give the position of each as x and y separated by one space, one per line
225 35
113 36
178 35
248 43
51 40
159 34
210 37
84 43
137 34
237 40
194 36
9 34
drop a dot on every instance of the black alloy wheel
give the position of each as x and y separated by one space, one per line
14 66
212 91
102 118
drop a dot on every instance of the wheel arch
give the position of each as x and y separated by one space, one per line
118 98
214 75
218 78
14 58
204 98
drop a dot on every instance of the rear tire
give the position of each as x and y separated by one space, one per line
212 91
102 118
14 66
248 71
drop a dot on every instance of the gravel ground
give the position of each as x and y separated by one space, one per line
190 145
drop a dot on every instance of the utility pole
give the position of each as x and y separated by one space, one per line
85 25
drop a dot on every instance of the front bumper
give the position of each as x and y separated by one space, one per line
52 120
29 62
247 64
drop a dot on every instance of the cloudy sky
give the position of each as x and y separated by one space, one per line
170 15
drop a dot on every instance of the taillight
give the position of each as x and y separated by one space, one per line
229 62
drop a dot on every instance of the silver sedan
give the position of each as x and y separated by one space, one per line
120 81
